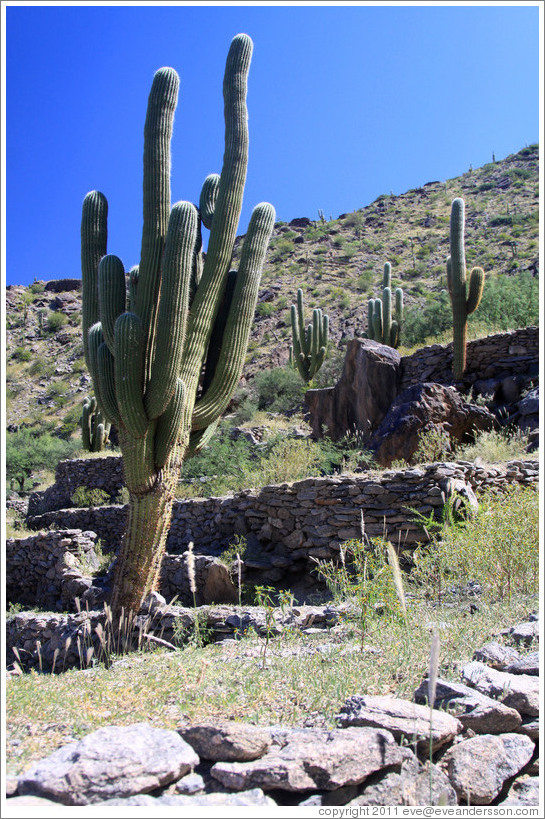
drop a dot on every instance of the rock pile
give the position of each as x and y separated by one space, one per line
477 746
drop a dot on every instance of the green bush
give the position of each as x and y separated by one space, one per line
279 390
509 302
55 322
86 497
498 548
21 354
26 453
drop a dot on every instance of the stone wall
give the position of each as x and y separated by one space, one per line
488 359
288 524
494 357
47 569
92 473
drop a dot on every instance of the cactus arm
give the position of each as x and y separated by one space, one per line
377 319
132 288
301 319
239 321
227 211
393 340
173 308
476 287
386 314
106 383
111 295
387 277
370 318
169 426
157 135
214 348
129 376
199 439
86 424
94 238
208 199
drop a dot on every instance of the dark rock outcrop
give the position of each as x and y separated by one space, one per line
425 408
363 395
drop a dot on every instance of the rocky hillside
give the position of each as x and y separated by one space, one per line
337 261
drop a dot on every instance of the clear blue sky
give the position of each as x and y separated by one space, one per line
345 103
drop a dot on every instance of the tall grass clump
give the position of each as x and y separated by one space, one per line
498 548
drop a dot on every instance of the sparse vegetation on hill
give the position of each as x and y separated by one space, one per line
339 265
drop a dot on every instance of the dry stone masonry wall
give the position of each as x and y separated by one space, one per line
494 357
286 525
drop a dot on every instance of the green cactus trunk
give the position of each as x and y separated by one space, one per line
147 343
463 302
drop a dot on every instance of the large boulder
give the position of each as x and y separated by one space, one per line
362 396
426 408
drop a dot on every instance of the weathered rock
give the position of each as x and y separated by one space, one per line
528 664
478 768
218 586
525 633
362 396
189 784
39 801
523 792
425 408
315 760
496 655
227 741
530 728
116 761
411 786
482 714
519 691
402 718
253 796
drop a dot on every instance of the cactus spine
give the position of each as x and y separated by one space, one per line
148 342
309 345
95 430
380 325
464 301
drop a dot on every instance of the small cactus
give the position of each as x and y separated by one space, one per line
309 345
464 300
95 430
380 325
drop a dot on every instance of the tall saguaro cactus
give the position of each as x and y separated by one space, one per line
464 300
148 342
309 344
380 324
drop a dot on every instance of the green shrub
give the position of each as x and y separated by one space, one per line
498 548
84 496
55 322
279 390
26 453
21 354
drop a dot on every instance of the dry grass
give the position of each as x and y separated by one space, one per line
305 681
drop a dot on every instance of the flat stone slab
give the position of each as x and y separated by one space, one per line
484 715
478 768
496 655
519 691
404 719
116 761
227 741
530 728
312 759
528 664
